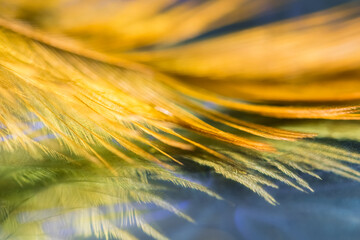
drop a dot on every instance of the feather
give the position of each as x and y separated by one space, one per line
91 113
87 197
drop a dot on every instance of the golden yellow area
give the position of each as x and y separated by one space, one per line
129 79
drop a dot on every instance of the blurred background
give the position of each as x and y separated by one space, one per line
331 212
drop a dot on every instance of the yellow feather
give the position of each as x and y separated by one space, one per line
126 90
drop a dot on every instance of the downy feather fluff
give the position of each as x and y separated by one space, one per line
125 92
